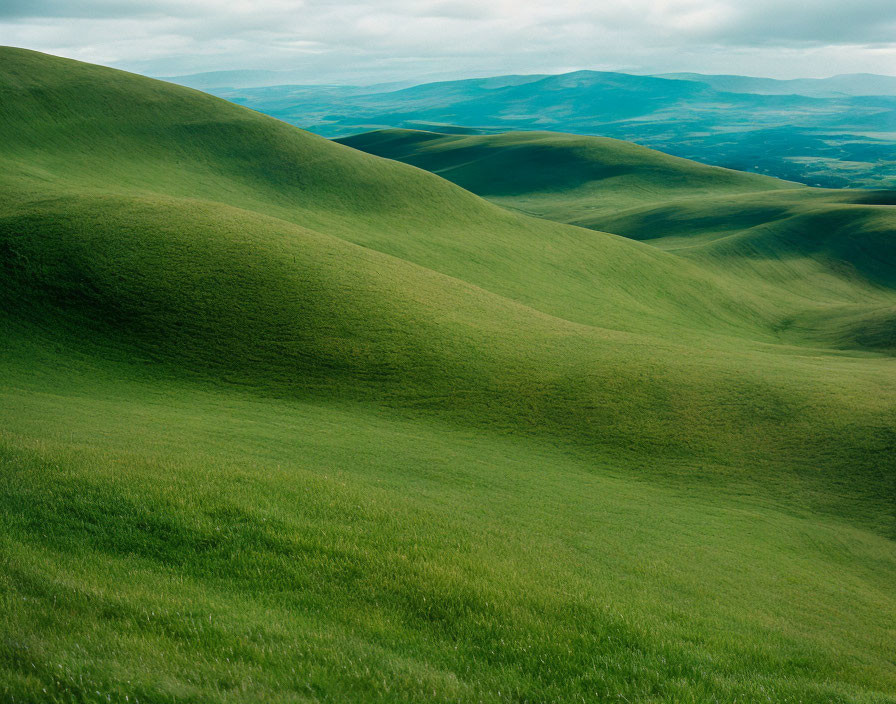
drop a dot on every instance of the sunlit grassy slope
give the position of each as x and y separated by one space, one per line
283 421
818 247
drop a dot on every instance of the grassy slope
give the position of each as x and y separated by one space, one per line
573 166
830 253
478 457
257 164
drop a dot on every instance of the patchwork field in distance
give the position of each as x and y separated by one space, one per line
283 420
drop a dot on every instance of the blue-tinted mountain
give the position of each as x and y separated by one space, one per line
737 122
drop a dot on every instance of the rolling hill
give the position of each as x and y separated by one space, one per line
820 245
836 140
283 420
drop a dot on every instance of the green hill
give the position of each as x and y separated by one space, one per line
580 167
834 133
813 245
285 421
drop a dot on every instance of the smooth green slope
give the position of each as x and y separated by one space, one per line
249 454
824 247
516 164
177 142
561 177
254 298
222 293
831 252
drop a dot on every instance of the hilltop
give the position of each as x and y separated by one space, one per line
588 171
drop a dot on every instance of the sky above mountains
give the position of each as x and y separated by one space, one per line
393 40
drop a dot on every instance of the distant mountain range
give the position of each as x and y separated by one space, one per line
848 84
229 80
836 132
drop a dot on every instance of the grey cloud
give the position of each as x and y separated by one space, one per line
93 9
336 40
820 21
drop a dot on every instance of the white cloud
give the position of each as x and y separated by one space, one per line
376 40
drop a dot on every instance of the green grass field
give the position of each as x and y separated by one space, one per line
285 421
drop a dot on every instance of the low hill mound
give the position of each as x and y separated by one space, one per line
832 249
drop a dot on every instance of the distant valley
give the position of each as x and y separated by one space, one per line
838 132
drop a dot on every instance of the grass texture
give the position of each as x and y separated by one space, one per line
285 421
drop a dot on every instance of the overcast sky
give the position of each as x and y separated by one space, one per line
385 40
